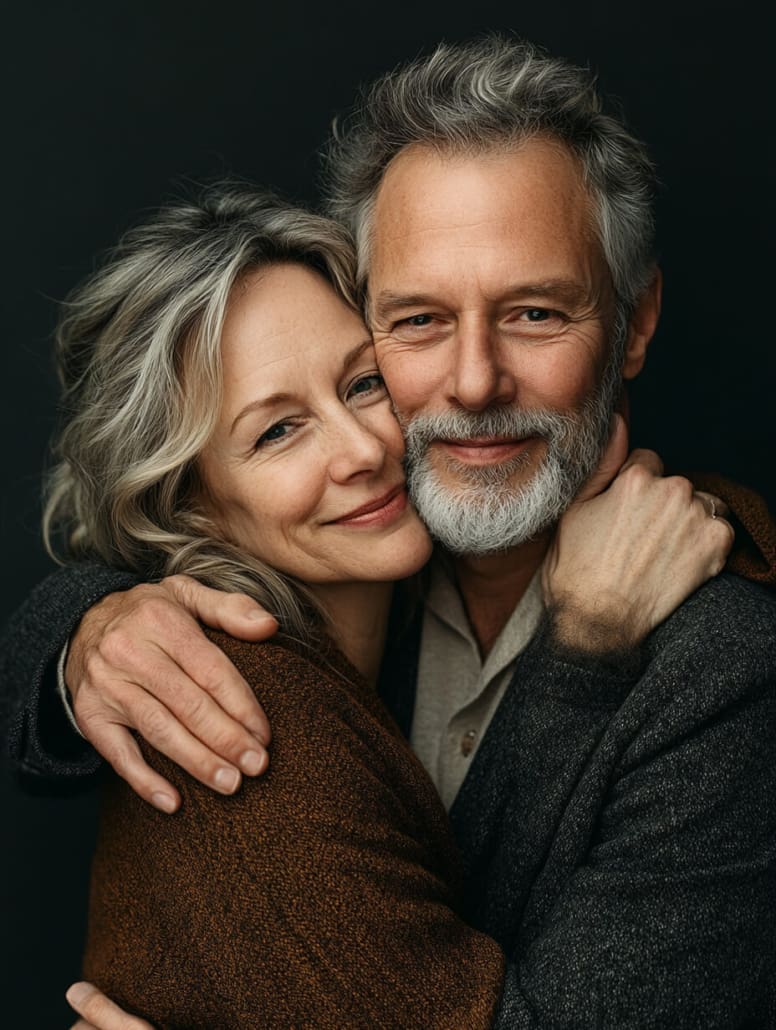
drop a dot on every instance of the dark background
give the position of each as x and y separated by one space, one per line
107 107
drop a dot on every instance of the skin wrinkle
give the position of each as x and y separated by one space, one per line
533 215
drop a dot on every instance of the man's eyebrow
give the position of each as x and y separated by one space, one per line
567 290
387 302
283 395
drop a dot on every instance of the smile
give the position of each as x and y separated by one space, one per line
485 450
378 512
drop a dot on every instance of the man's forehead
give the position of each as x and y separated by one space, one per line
466 200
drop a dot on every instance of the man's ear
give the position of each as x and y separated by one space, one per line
641 327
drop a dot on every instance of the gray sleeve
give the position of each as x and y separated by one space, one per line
665 918
42 747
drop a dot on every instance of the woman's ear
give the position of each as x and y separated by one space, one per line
641 327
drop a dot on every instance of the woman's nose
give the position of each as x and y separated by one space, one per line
354 449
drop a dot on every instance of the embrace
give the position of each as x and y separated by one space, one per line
522 763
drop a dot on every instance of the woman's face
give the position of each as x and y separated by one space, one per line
304 468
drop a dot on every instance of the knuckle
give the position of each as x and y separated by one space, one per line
157 610
635 477
153 723
117 647
181 586
119 756
194 709
211 677
678 489
227 741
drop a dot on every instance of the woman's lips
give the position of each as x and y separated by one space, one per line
376 512
484 450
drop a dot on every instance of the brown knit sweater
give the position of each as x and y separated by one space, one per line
321 895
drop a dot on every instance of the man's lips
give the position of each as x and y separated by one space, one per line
379 510
485 450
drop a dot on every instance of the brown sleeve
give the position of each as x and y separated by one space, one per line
319 895
754 550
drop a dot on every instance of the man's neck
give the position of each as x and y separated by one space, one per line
492 586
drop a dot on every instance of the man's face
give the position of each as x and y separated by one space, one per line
492 311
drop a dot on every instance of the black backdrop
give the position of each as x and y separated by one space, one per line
108 106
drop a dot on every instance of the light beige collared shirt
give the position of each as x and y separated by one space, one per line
457 693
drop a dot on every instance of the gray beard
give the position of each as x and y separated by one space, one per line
484 513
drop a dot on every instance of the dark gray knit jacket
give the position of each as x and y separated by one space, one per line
618 824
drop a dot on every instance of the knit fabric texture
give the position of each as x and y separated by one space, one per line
619 830
321 895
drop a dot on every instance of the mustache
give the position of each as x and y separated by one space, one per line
509 422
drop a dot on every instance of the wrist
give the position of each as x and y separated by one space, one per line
590 632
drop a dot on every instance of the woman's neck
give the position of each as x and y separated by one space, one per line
358 620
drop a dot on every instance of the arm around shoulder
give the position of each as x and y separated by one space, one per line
43 747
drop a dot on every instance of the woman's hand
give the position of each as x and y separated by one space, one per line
99 1012
139 660
623 559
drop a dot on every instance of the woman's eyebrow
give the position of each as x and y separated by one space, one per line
281 397
262 402
355 353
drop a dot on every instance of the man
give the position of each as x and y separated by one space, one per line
614 808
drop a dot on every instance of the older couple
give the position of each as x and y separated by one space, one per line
596 713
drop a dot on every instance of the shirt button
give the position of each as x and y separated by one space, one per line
467 743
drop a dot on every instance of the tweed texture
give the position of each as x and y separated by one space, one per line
321 895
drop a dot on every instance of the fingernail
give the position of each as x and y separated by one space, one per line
163 802
77 993
251 763
226 780
258 616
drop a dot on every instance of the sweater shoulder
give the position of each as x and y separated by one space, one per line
727 618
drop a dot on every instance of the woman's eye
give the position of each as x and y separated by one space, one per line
367 385
273 434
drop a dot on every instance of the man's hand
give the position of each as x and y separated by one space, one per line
139 659
625 557
99 1012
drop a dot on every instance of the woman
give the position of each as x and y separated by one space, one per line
225 418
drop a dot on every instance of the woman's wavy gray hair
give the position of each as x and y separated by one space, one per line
495 93
139 359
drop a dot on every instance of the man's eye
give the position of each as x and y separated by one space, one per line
367 385
537 314
417 321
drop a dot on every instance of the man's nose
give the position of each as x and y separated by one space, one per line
479 376
353 449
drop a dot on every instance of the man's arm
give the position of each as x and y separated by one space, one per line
42 745
140 660
119 641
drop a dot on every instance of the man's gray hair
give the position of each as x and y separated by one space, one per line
495 93
140 365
